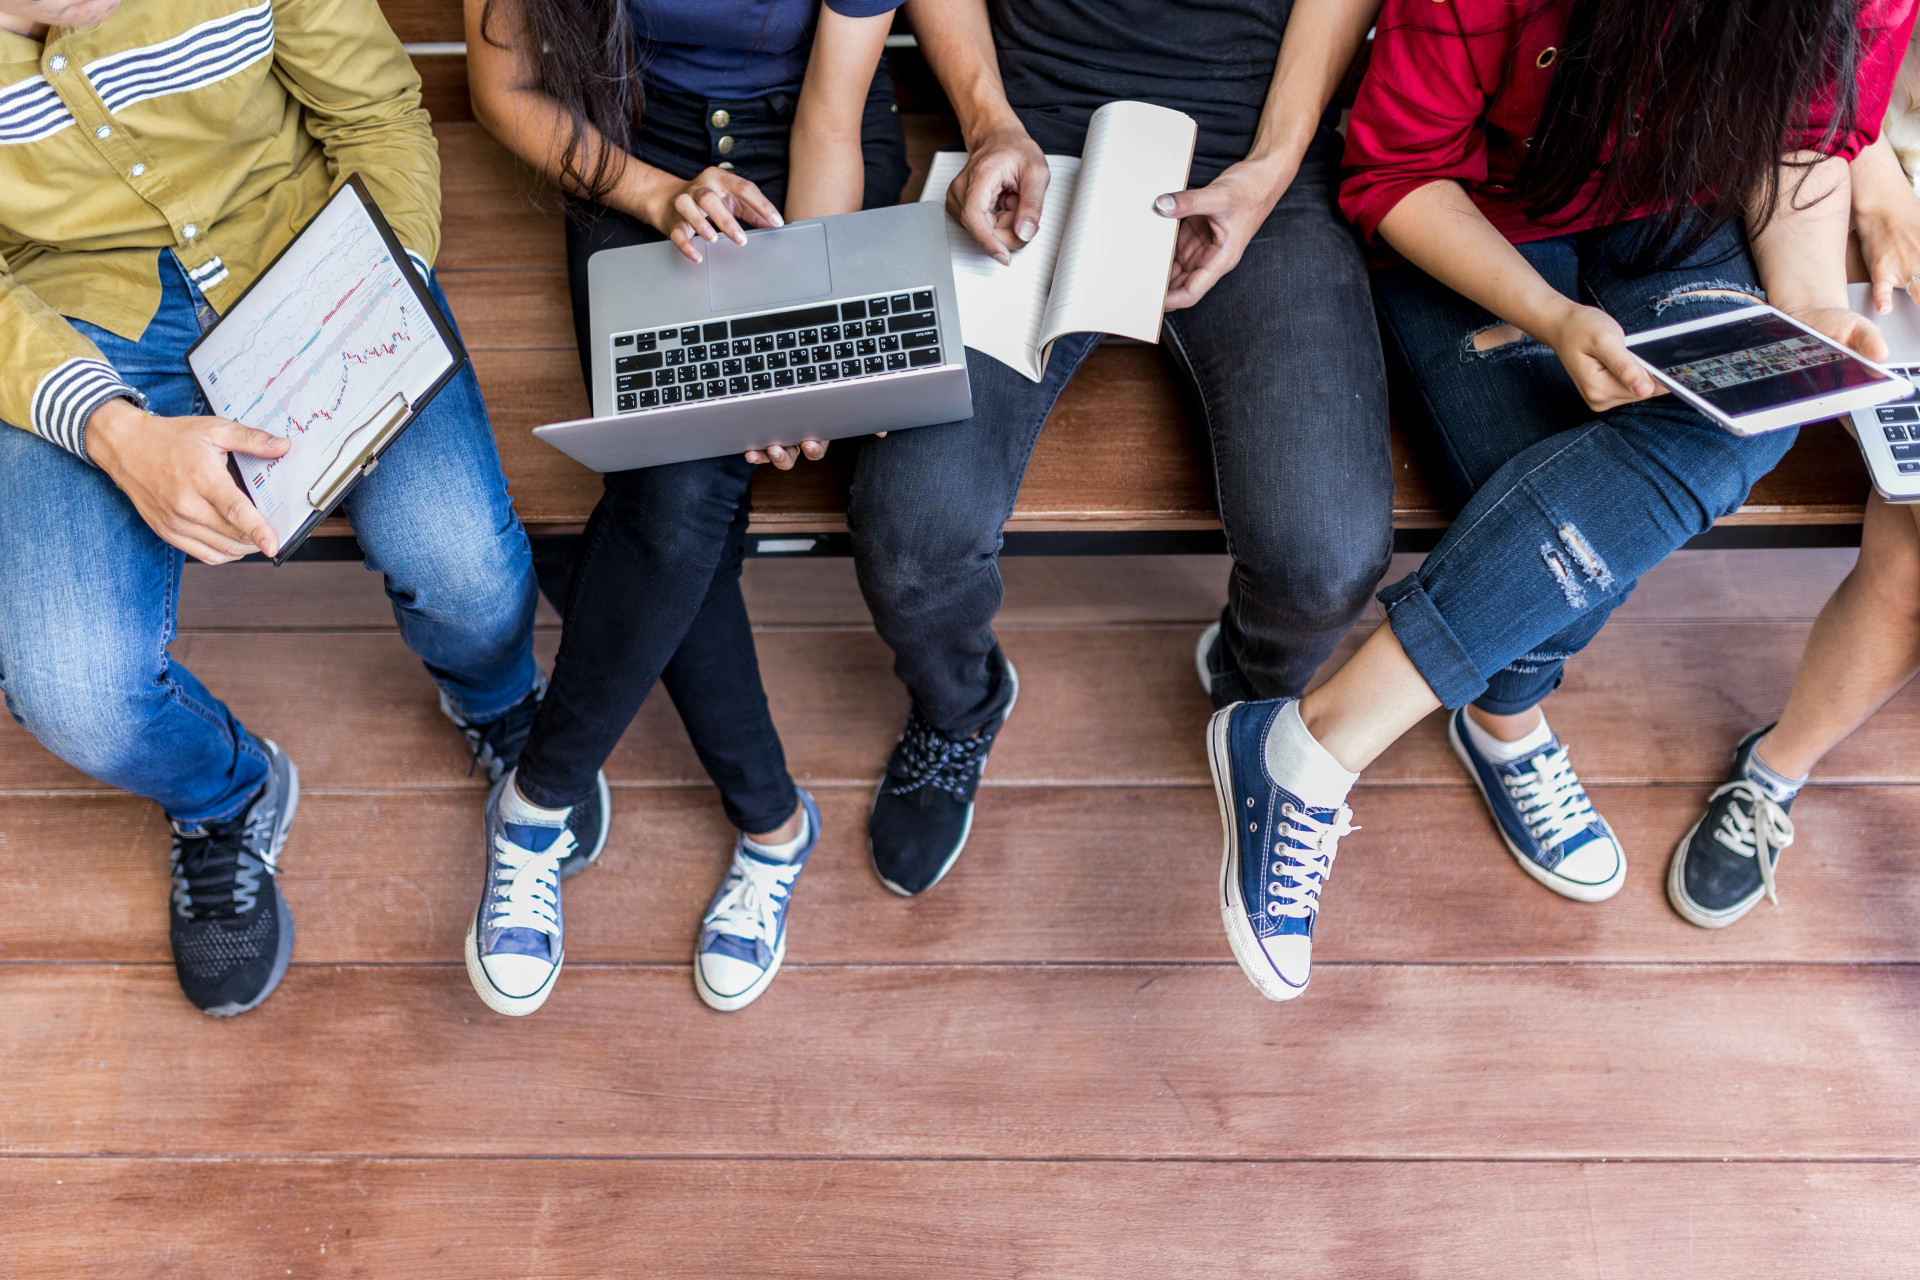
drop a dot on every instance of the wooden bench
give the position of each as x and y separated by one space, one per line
1116 468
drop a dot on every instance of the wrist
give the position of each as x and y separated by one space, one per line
108 428
990 126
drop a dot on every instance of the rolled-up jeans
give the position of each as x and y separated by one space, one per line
88 593
1561 509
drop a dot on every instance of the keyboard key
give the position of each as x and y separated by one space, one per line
694 391
763 343
1895 433
752 325
742 346
901 302
783 378
737 386
1900 413
876 326
763 382
690 334
928 339
670 395
677 355
849 368
646 343
822 352
809 336
627 364
898 360
696 353
688 373
853 311
668 335
633 382
1906 452
876 306
876 364
649 399
731 368
1910 468
918 320
828 372
784 342
710 370
923 300
829 333
800 357
624 340
924 356
806 376
843 351
716 389
866 346
714 332
756 363
628 402
778 360
889 343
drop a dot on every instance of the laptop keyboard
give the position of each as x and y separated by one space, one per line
752 355
1900 423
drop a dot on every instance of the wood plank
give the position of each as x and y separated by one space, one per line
1100 706
513 311
425 21
494 212
399 1219
1772 1062
1425 881
443 85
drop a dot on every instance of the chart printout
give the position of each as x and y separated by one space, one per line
315 349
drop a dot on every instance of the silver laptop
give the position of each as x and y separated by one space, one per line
834 327
1889 434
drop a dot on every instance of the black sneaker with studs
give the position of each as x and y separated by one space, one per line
231 930
496 745
923 810
1727 862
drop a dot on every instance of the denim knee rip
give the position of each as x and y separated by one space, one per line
1707 291
1573 560
1528 664
1520 343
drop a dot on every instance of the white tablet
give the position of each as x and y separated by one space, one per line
1758 369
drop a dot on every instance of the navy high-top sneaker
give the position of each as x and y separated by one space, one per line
1725 864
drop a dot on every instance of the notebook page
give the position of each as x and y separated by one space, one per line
1112 272
1001 308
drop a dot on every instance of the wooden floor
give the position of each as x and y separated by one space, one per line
1046 1067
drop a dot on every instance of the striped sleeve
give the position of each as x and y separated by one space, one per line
67 397
51 378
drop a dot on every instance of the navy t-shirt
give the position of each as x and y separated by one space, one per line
1213 59
734 48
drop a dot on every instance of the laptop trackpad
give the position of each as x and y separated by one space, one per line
781 265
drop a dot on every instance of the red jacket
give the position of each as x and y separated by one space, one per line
1455 89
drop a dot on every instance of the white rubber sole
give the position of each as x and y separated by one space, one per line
728 1004
966 828
1247 950
491 996
1200 650
1566 888
1685 907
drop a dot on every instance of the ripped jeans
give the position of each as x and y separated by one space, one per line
1560 509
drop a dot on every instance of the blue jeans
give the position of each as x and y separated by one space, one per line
1561 509
1280 366
91 592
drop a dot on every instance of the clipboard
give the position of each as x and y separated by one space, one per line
285 350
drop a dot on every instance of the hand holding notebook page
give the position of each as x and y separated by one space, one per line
1098 262
334 347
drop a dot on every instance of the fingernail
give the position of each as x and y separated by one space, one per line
778 221
1165 204
1002 258
1026 228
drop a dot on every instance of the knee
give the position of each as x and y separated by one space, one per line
1322 575
86 706
677 516
473 573
906 556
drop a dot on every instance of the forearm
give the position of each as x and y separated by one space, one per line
1439 229
1323 37
1878 184
1800 252
826 172
957 41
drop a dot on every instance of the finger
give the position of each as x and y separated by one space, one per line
755 206
814 449
239 521
1883 292
1182 204
1624 369
721 211
1867 339
235 438
782 457
1034 179
684 237
975 211
756 457
688 207
204 526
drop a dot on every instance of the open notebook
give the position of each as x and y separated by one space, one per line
1099 260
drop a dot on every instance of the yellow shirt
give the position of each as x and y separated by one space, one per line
214 128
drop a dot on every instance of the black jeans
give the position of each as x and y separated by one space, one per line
1280 363
656 594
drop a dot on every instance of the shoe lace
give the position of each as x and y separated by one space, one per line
1550 799
526 885
211 871
1319 840
504 735
749 903
1761 830
932 759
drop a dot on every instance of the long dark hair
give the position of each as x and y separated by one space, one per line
1687 105
585 55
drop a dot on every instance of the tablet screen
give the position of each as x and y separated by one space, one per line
1756 363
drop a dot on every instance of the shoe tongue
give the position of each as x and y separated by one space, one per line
538 839
523 942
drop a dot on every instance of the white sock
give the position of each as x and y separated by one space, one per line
522 812
1506 752
786 850
1298 762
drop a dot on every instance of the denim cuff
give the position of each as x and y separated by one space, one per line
1436 653
68 396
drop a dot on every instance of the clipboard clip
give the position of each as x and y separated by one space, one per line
366 440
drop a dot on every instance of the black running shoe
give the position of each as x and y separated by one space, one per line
924 808
1726 863
496 745
231 930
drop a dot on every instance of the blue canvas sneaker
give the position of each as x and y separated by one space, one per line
1279 848
1545 818
743 936
1726 863
496 745
517 939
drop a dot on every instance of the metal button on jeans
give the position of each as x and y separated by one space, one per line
727 165
721 119
725 145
